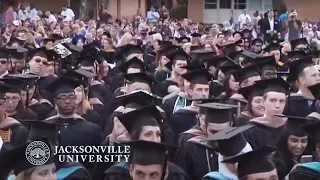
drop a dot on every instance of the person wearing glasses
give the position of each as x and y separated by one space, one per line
38 62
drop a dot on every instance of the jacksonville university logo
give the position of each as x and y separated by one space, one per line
37 153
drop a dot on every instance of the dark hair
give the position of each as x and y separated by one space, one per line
226 86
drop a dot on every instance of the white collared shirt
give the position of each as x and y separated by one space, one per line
271 23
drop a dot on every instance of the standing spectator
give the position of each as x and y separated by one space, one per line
152 16
9 16
33 13
51 17
164 13
269 26
67 14
295 26
256 17
243 19
314 37
22 13
284 17
138 18
105 16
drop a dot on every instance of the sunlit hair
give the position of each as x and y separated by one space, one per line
84 104
124 40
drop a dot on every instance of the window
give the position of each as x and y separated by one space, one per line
225 4
267 5
210 4
240 4
255 5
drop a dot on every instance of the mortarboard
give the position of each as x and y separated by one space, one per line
201 76
201 54
193 66
41 52
166 46
230 140
182 38
133 62
139 97
315 90
3 89
229 48
265 62
17 52
81 75
294 125
250 92
313 129
89 55
15 84
29 79
63 84
130 49
272 47
140 77
274 85
253 162
4 53
294 55
217 112
229 67
148 153
297 42
195 35
216 61
145 116
178 54
297 66
245 73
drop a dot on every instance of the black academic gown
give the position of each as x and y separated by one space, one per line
197 158
72 171
161 89
41 110
169 105
299 106
242 119
25 115
13 133
120 171
284 163
261 135
185 136
161 75
183 120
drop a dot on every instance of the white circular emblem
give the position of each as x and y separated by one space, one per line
37 153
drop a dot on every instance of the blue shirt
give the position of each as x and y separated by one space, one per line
153 16
215 175
283 17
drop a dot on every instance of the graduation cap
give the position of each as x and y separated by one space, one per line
294 125
182 38
15 84
145 116
201 76
297 66
130 49
230 140
315 90
313 129
80 75
27 81
229 67
265 62
133 63
147 153
295 55
229 48
201 54
3 89
272 47
16 52
63 84
139 97
253 162
297 42
14 40
193 66
165 46
140 77
215 61
41 52
274 85
195 35
217 112
250 92
178 54
245 73
89 55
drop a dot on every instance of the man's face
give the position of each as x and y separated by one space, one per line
199 91
274 103
139 86
4 65
18 63
38 65
311 76
66 103
257 47
271 175
300 47
271 14
269 73
220 39
150 172
177 67
49 45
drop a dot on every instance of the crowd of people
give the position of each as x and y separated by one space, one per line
193 102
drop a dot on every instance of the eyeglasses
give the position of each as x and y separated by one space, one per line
258 45
3 62
66 97
13 99
43 62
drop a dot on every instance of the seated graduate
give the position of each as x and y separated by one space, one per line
80 131
178 59
267 66
315 90
268 128
255 164
273 49
231 142
185 118
225 75
50 131
305 74
313 129
255 106
15 160
293 143
198 156
12 132
146 124
14 103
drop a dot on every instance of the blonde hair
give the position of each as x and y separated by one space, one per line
124 40
84 105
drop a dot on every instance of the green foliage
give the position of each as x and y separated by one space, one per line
179 12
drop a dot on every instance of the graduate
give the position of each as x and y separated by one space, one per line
273 49
268 128
304 73
230 142
38 62
178 59
300 44
255 164
198 157
267 66
12 133
184 115
315 90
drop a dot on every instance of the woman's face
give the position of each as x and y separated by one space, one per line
150 133
187 49
45 172
257 105
12 101
164 60
80 43
104 41
79 94
93 32
234 86
207 47
237 37
297 145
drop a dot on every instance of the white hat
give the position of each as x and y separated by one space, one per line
16 23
